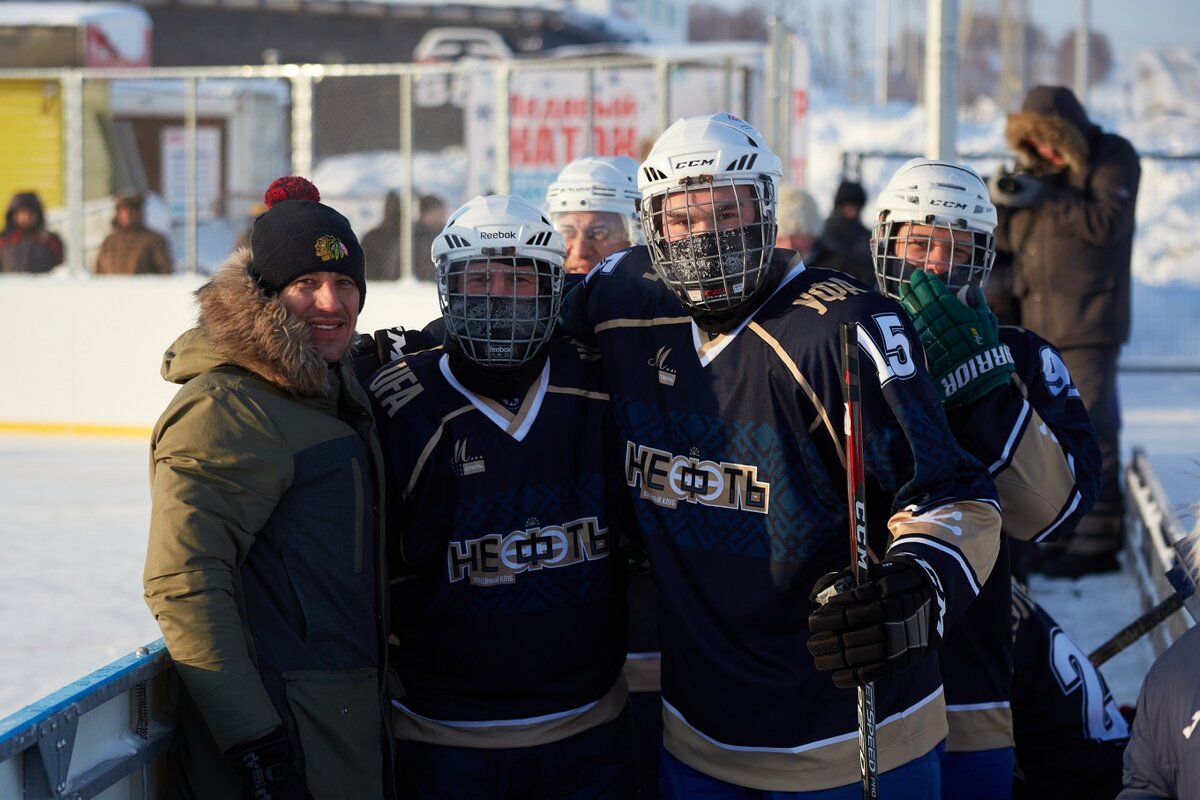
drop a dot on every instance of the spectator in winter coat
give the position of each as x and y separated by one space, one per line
845 243
25 244
132 248
381 244
1163 756
430 221
1068 219
798 220
265 566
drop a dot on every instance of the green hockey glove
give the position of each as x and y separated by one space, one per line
960 336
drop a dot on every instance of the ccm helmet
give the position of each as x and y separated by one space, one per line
932 207
499 266
598 183
709 189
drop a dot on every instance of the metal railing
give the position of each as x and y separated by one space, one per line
205 142
108 729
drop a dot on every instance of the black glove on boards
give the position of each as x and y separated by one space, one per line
269 770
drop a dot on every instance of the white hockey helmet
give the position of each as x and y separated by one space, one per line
944 201
719 181
499 268
599 183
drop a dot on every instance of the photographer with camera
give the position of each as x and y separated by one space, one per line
1067 219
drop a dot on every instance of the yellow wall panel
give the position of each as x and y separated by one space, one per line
31 149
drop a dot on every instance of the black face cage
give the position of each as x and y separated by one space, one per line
892 270
712 269
505 329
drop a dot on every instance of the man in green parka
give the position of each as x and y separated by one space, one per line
265 563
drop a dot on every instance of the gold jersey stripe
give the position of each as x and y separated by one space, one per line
774 344
501 734
814 766
642 323
974 729
1038 486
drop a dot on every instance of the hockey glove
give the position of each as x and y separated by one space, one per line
1016 190
960 336
863 633
268 769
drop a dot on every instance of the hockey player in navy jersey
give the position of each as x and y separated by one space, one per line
593 203
508 602
720 355
1011 403
1070 735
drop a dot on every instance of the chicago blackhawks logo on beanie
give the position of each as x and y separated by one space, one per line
298 234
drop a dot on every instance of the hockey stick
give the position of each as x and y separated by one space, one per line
1136 630
1182 577
856 492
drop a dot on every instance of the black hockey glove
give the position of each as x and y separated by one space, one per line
370 352
867 632
1016 190
960 336
268 769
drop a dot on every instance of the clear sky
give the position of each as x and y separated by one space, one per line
1130 25
1137 25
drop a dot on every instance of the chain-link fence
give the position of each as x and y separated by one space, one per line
1166 252
397 146
393 146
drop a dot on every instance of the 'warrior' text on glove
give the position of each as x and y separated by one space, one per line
960 336
863 633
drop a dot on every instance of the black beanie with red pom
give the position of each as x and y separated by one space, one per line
298 234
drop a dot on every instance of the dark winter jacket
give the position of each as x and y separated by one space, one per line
381 245
1163 756
264 566
1072 250
135 250
845 245
28 249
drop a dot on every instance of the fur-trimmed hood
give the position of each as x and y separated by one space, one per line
1051 114
240 326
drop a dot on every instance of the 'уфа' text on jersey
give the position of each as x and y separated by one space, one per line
733 455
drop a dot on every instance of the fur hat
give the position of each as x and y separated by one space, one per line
298 234
1053 115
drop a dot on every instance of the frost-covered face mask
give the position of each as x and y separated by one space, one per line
499 331
711 245
501 314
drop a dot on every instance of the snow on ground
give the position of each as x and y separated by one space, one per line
77 509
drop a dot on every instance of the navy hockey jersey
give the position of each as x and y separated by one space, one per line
508 595
734 455
1037 440
1070 735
